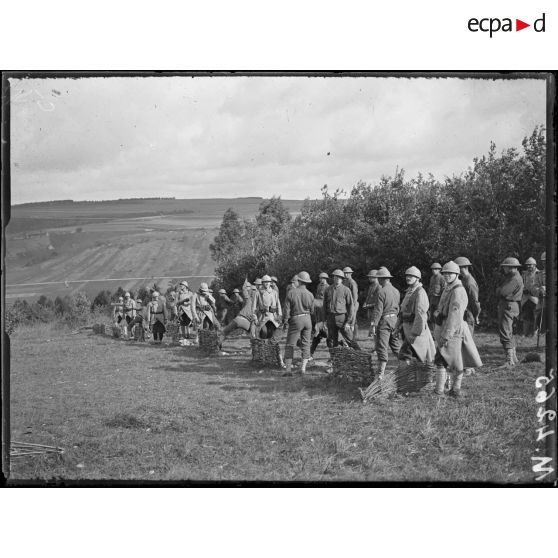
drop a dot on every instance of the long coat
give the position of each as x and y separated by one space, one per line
460 351
204 307
184 303
264 302
413 317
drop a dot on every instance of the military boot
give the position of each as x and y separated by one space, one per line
303 367
457 378
382 369
288 367
441 375
516 360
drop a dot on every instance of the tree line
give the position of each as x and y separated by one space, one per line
494 209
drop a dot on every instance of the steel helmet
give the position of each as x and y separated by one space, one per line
324 275
236 291
450 267
338 273
120 299
204 288
258 281
462 261
266 279
543 256
372 273
222 291
184 283
304 277
139 301
530 261
383 273
127 295
347 270
274 279
435 265
294 279
413 271
155 294
511 262
254 288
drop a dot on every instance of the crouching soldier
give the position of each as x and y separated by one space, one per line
456 349
157 317
237 303
299 306
244 319
267 310
509 292
413 322
184 309
384 319
223 305
319 326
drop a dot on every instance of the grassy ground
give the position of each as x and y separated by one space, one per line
137 411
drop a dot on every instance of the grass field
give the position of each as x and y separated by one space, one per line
138 411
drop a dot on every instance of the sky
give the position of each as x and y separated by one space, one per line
206 137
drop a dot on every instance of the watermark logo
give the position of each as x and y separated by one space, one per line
493 25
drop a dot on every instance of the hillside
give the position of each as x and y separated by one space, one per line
102 245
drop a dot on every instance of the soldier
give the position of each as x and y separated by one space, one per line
509 294
532 283
299 305
223 304
171 305
353 287
203 309
435 289
293 284
157 316
184 309
456 348
244 319
237 303
372 294
129 313
384 319
413 321
473 305
319 326
274 285
118 311
339 312
137 328
258 284
268 312
540 316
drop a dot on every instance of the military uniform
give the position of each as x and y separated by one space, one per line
435 288
156 318
267 309
371 299
204 310
473 305
339 311
509 294
118 312
384 318
530 300
223 304
319 325
129 310
413 321
299 305
244 319
352 285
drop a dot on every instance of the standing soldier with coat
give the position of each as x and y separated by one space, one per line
435 288
372 294
118 311
509 293
157 316
472 289
532 283
384 319
413 321
353 287
237 303
184 309
204 309
268 312
299 306
223 305
456 348
339 312
129 313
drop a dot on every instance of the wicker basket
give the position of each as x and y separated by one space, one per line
208 341
173 331
352 366
266 352
413 377
116 331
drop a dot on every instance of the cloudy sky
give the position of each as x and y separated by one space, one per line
107 138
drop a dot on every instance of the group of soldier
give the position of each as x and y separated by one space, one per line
434 325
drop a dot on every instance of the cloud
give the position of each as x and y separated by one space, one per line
99 138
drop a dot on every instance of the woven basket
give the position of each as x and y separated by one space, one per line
139 332
413 377
173 331
266 352
208 341
352 366
116 331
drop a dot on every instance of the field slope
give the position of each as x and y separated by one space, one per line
127 411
